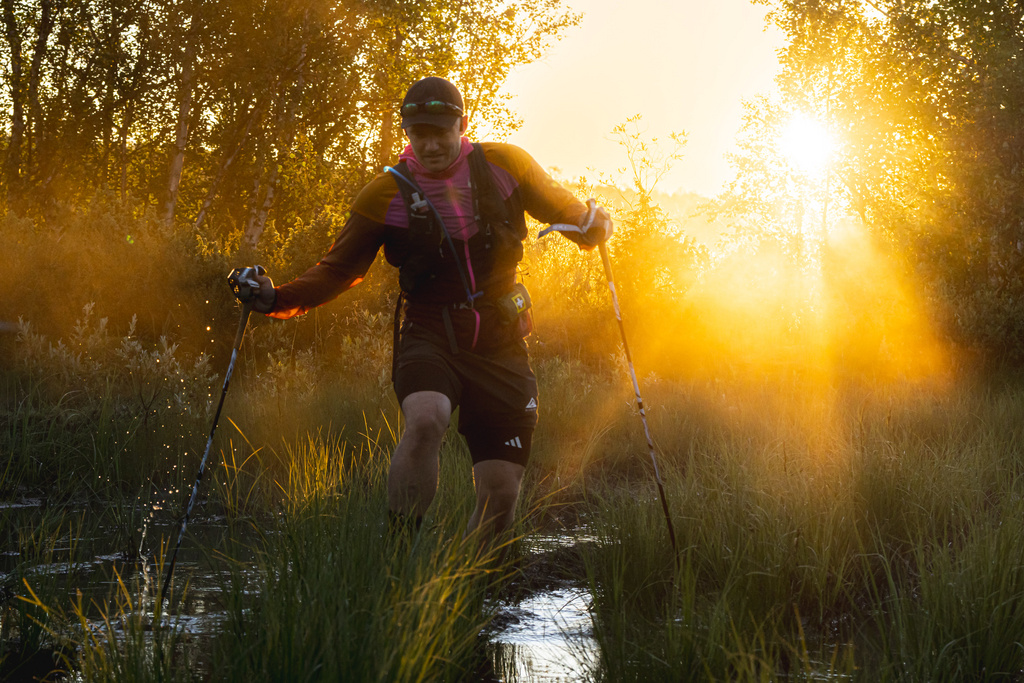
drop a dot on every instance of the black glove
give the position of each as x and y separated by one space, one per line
597 226
243 282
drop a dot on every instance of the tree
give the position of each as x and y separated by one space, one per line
233 118
926 101
23 78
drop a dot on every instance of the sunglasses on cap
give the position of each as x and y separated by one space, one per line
432 107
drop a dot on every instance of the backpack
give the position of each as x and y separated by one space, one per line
503 236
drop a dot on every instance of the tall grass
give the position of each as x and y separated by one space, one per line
337 595
828 528
851 533
48 558
323 591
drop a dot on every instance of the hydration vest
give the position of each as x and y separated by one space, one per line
431 250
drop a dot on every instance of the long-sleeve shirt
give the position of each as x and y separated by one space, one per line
379 217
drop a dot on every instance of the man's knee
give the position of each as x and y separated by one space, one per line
426 425
497 486
426 415
500 497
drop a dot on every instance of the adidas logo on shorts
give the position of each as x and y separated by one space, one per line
532 405
514 443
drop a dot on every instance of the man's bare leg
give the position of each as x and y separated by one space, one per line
412 479
497 484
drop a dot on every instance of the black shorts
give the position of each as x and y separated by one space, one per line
496 392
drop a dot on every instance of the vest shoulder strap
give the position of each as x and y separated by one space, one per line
412 195
487 203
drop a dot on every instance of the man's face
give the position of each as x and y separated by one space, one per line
436 148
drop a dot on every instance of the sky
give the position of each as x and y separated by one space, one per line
685 65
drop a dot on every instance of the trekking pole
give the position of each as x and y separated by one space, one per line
592 209
244 287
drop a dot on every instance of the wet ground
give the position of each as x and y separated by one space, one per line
548 638
541 632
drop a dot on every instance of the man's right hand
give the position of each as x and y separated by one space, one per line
251 285
266 296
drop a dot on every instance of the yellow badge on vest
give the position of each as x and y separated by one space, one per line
515 303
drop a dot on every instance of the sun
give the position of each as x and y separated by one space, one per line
807 145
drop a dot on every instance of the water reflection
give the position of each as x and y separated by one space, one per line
550 638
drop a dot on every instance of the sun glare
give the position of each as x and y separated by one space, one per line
806 144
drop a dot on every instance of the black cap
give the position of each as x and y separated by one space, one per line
432 89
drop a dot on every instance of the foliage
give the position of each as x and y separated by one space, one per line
238 115
73 402
923 102
655 266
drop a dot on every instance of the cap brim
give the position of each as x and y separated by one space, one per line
439 120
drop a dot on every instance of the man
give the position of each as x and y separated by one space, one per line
450 217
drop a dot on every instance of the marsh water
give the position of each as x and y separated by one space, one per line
542 635
550 639
547 635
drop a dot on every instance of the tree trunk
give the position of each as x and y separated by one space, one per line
387 138
12 162
180 138
123 129
108 123
260 210
388 129
250 236
35 128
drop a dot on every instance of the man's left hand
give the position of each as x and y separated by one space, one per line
599 229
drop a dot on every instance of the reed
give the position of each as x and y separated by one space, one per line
878 540
337 595
829 528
